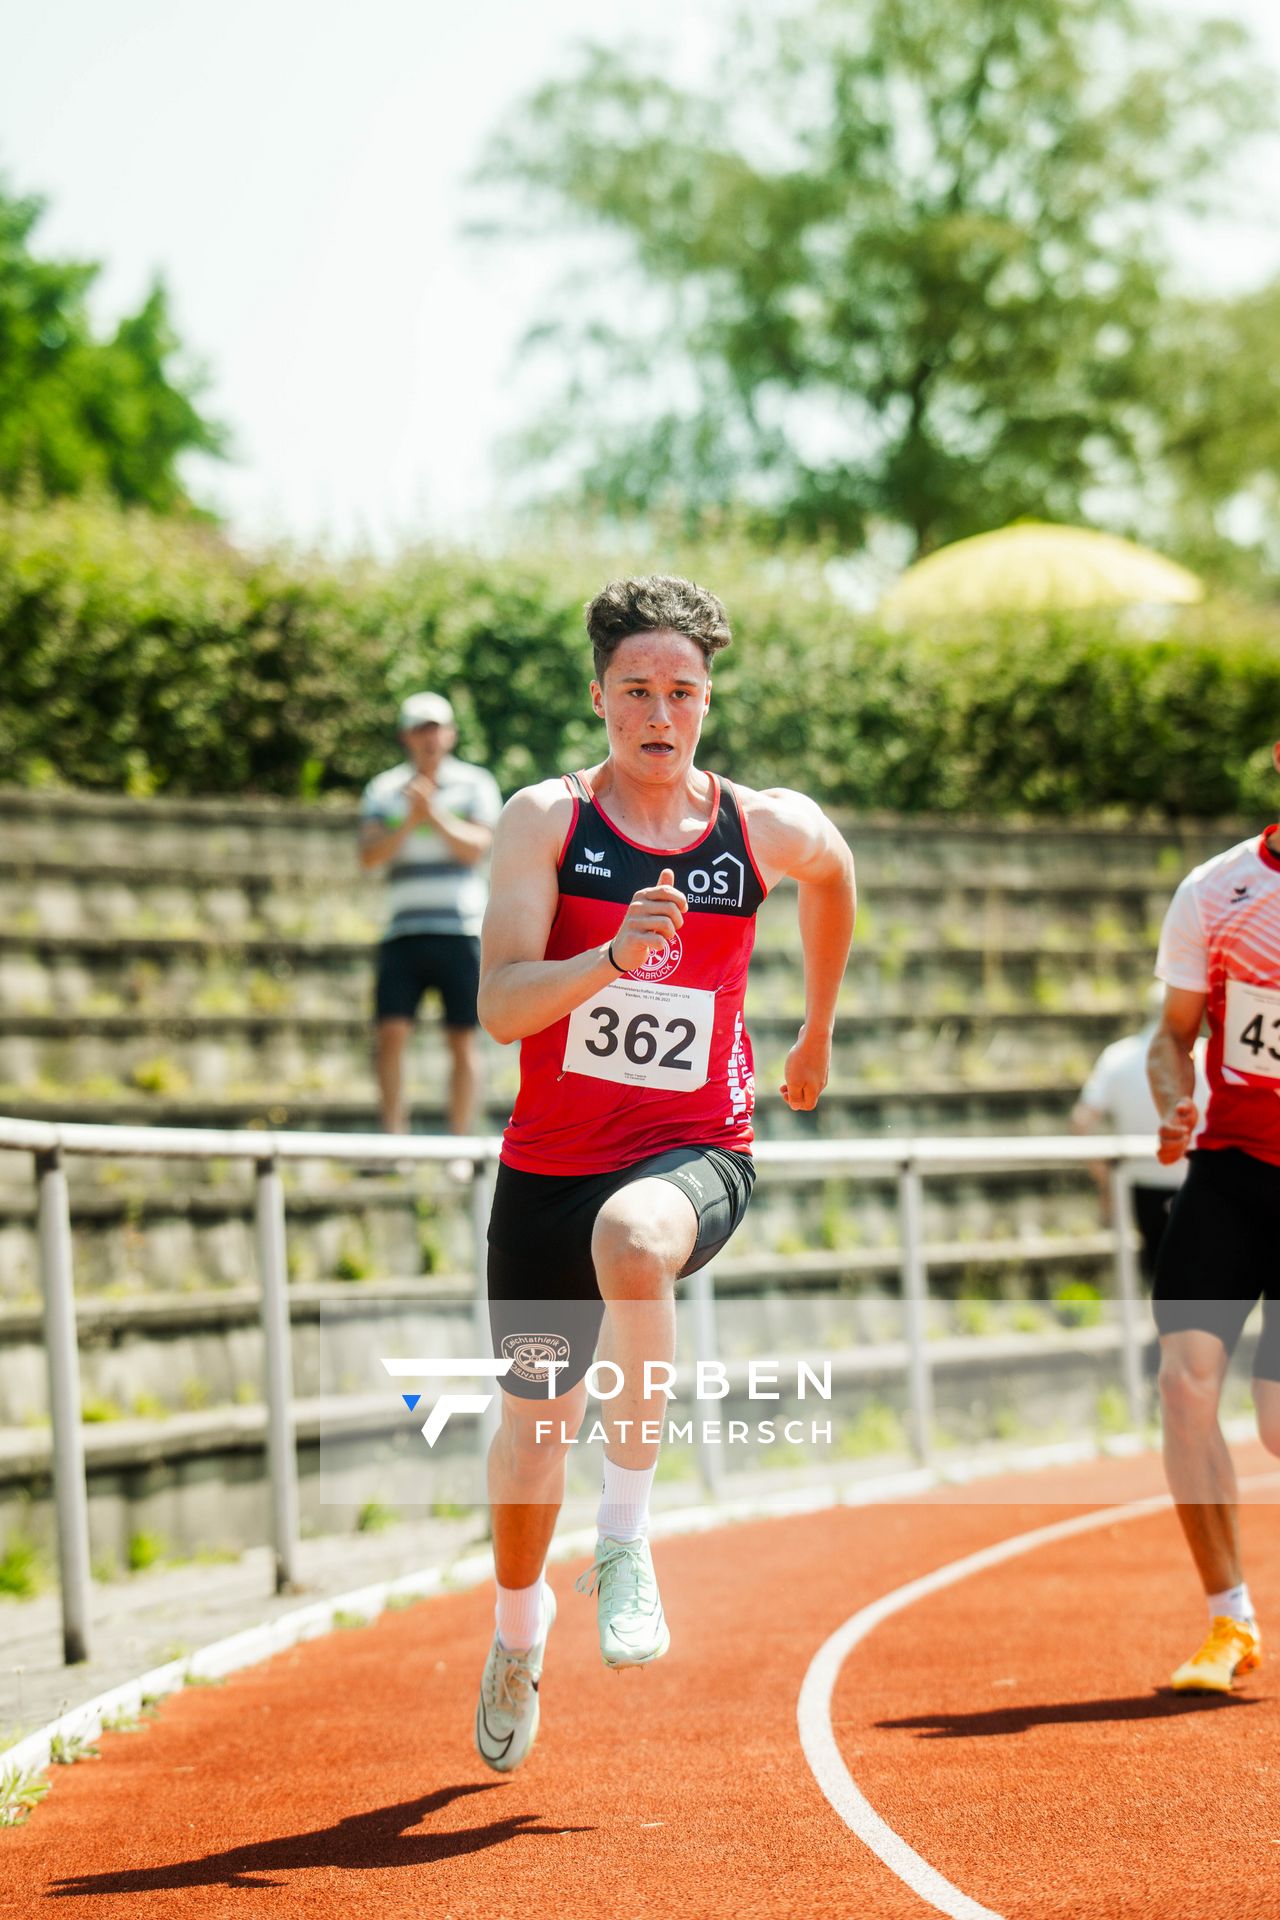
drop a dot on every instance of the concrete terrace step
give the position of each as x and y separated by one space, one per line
930 1103
227 1055
984 873
218 832
171 1233
110 1322
91 975
1058 911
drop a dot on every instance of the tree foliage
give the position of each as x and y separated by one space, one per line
79 412
902 266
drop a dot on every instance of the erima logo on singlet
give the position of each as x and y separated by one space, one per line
719 887
590 865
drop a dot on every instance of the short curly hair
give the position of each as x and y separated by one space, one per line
652 604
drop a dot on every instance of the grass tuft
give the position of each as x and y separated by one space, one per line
22 1573
20 1792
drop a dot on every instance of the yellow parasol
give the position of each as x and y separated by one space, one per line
1034 567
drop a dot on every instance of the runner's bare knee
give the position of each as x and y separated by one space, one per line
642 1238
1191 1385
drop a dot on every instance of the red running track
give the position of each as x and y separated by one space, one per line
1015 1729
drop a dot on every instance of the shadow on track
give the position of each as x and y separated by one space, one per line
1164 1704
361 1841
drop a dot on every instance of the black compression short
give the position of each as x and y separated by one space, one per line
1221 1250
544 1300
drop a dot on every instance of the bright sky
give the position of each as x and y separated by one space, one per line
295 169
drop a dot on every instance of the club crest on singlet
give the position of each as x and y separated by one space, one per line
661 964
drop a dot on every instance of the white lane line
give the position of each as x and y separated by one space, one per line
813 1711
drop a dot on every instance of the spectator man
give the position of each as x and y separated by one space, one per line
429 823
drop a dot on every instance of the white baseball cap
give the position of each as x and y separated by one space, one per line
424 709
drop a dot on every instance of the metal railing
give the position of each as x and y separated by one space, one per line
907 1160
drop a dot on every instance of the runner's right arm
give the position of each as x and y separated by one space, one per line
521 992
1171 1069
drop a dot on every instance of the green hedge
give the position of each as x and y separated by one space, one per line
147 656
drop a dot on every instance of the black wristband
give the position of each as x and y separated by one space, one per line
612 962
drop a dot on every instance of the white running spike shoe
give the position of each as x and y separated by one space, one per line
633 1628
507 1711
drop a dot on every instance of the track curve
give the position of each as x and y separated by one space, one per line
338 1778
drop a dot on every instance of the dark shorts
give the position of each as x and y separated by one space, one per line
414 963
544 1299
1220 1251
1151 1207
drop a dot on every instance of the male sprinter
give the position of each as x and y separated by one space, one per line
1220 950
615 949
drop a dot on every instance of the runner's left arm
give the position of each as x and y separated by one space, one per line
794 839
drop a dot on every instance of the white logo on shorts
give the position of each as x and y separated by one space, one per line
529 1354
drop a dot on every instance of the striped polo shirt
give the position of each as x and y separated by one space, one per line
428 891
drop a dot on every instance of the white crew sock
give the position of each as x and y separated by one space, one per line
624 1501
1233 1601
519 1616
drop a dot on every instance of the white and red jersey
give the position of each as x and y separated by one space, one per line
1221 937
659 1057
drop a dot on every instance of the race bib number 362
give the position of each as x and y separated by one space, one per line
1251 1036
643 1035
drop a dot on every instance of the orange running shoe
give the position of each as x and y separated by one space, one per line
1232 1648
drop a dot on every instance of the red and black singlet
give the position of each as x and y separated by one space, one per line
659 1057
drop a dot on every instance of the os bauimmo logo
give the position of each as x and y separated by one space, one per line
720 885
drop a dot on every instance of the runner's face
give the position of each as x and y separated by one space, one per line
653 698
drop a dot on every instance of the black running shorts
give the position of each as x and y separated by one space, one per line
544 1300
1221 1250
414 963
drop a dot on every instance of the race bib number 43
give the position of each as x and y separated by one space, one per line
643 1035
1251 1037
